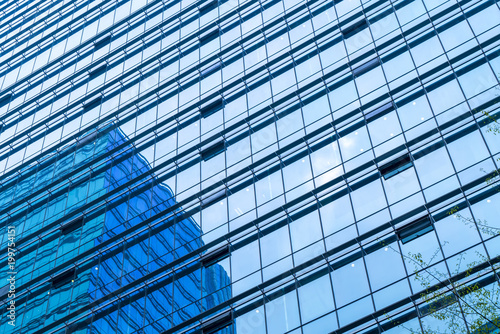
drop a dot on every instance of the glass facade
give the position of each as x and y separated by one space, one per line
247 166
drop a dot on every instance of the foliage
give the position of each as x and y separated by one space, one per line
494 126
482 225
467 300
463 306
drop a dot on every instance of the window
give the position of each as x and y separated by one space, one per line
414 230
215 256
72 225
97 71
366 67
93 103
396 166
379 112
102 42
63 278
355 28
208 7
213 150
219 322
5 99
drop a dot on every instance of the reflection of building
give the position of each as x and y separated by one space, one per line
300 148
161 305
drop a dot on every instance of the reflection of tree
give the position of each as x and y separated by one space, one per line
493 127
468 300
482 225
461 306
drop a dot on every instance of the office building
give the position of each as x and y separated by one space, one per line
276 166
90 283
